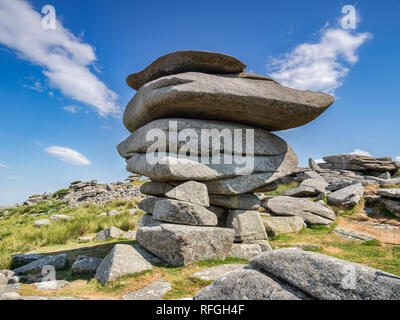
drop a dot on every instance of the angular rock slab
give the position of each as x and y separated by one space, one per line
122 260
277 225
327 278
181 212
190 191
242 201
180 245
257 102
147 204
248 284
185 61
153 291
217 272
58 262
352 235
311 212
169 167
390 193
245 250
175 130
348 197
247 225
154 188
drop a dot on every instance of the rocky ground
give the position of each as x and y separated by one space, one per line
348 214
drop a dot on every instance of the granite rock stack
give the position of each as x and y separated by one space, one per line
200 130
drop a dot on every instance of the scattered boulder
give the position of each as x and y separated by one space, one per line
153 291
215 273
248 284
56 217
51 285
180 245
86 238
247 225
131 234
122 260
348 197
352 235
276 225
245 250
42 222
327 278
110 233
58 262
85 265
22 259
311 212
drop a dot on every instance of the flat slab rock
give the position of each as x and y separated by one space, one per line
390 193
185 61
245 250
327 278
190 191
277 225
58 262
241 201
352 235
215 273
348 197
22 259
248 99
248 284
180 245
122 260
247 225
359 163
311 212
153 291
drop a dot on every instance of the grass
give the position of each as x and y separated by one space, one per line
282 188
60 193
19 235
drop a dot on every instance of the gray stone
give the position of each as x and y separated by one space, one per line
242 201
41 222
51 285
147 204
153 188
131 234
318 184
277 225
392 205
85 265
185 61
149 257
359 163
311 212
313 165
22 259
58 262
236 98
348 197
248 284
247 225
180 245
390 193
352 235
146 221
110 233
265 143
385 175
122 260
215 273
56 217
245 250
180 167
301 191
263 244
190 191
328 278
86 238
181 212
153 291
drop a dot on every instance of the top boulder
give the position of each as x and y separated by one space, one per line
186 61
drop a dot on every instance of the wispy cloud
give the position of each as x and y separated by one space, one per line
2 165
65 59
72 109
398 158
68 155
319 66
361 152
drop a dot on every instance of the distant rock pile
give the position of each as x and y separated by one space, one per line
204 205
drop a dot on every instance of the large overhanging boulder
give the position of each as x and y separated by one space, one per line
242 98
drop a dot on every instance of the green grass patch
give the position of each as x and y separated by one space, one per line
282 188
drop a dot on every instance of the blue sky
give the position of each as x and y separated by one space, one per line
61 90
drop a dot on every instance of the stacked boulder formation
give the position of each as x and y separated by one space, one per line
200 130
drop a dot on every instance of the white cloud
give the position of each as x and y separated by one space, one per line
320 161
65 58
319 66
2 165
361 152
72 109
398 158
68 155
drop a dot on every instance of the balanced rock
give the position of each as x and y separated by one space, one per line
122 260
247 225
190 191
348 197
258 102
328 278
311 212
181 212
180 245
185 61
